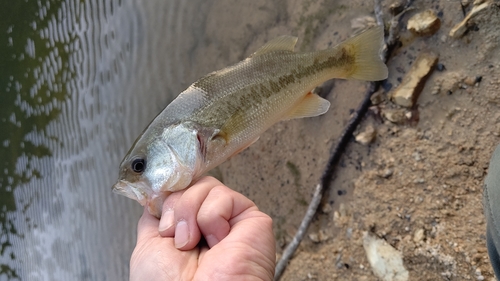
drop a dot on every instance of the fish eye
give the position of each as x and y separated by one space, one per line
138 165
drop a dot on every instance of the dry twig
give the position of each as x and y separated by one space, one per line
339 147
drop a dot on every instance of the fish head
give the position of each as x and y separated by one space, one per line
160 162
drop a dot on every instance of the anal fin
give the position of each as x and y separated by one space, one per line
311 105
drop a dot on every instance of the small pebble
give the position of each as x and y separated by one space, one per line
394 115
314 237
419 235
387 173
349 233
469 80
424 23
326 208
396 8
419 180
366 136
377 98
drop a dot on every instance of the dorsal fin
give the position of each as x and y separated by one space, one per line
282 43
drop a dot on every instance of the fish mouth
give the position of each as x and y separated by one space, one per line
136 191
132 191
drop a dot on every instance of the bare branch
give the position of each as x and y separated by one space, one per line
379 16
301 232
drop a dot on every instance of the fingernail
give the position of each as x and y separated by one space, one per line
211 240
181 234
167 220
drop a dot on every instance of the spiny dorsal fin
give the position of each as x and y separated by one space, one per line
282 43
311 105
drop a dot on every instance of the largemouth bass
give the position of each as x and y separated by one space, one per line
226 111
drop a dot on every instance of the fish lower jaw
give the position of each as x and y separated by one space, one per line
137 192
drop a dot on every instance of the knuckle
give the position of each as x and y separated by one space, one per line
219 189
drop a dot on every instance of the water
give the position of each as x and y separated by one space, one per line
79 80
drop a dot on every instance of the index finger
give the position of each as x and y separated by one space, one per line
220 211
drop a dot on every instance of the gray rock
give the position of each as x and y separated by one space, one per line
386 262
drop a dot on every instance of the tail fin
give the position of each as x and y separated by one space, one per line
366 49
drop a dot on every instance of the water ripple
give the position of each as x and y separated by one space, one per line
96 73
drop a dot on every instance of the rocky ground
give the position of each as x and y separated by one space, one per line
420 185
417 184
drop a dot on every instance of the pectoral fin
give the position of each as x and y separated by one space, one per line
311 105
209 137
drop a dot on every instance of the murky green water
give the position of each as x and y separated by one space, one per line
79 80
33 83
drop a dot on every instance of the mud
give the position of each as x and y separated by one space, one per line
418 185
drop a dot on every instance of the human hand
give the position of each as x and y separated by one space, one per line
239 238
